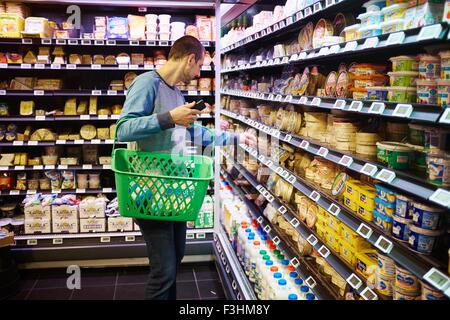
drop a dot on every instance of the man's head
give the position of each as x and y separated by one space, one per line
188 52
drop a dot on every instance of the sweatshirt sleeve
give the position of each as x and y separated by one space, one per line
201 136
138 109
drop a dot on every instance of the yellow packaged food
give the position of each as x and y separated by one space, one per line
334 224
367 197
11 25
322 212
332 239
366 263
26 108
353 239
320 231
70 108
322 220
349 203
365 214
351 189
347 252
93 105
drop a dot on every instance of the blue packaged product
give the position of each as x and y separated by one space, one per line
117 28
403 207
386 208
422 240
400 228
382 221
385 194
426 217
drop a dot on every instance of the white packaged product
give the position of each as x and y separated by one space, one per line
65 226
64 212
120 224
92 225
37 226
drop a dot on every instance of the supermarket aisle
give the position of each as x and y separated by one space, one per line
199 281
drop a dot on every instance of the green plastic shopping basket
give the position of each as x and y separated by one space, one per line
160 186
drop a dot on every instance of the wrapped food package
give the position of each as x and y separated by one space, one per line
204 25
322 29
26 108
117 28
192 31
137 27
305 37
30 57
129 78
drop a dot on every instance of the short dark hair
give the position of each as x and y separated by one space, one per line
185 46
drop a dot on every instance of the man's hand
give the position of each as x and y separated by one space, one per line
248 139
184 115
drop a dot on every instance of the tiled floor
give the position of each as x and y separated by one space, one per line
194 282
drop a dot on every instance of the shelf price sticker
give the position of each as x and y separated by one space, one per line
324 51
261 158
14 192
287 138
282 24
403 110
346 161
364 231
134 67
134 42
430 32
17 143
57 241
368 294
299 16
370 43
96 66
46 41
85 117
312 240
445 118
291 179
294 222
86 42
107 190
25 66
96 141
311 282
282 209
150 43
267 228
369 170
441 197
41 66
303 100
294 57
276 27
288 98
439 280
96 92
340 104
61 42
73 42
27 41
87 166
63 166
334 209
79 141
285 174
317 7
395 38
279 98
315 196
276 240
307 12
112 92
377 108
260 219
385 176
316 102
38 92
39 118
350 46
38 167
32 242
49 167
3 66
324 251
2 92
334 49
354 281
105 239
356 106
384 245
304 145
289 21
110 42
71 66
192 93
130 238
294 262
323 152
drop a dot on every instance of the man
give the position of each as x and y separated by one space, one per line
157 120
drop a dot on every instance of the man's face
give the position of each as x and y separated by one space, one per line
193 68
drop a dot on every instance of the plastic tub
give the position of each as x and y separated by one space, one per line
445 64
370 18
386 265
377 93
164 28
429 67
384 285
439 169
404 63
178 26
374 5
422 240
427 91
382 221
384 207
443 92
427 217
351 32
369 31
396 155
436 139
403 78
392 26
430 293
402 94
400 228
151 19
406 281
165 36
403 207
400 294
396 11
365 214
151 35
164 18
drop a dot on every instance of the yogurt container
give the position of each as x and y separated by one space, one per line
429 67
382 221
386 265
369 31
384 285
436 139
445 64
370 18
443 92
384 207
391 26
427 217
377 93
430 293
400 294
403 78
438 166
385 194
164 18
404 63
402 94
406 281
400 228
395 11
374 5
351 32
427 91
422 240
396 155
403 207
151 19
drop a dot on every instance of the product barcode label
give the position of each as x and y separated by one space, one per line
38 92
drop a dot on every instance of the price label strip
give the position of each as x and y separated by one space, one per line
346 161
267 228
369 170
439 280
354 281
384 245
294 222
364 231
311 282
334 209
386 176
312 240
403 110
324 251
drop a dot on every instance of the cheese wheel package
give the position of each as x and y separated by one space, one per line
136 25
88 132
330 84
343 85
323 28
305 37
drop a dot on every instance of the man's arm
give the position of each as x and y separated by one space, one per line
202 136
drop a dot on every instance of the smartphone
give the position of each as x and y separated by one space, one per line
199 105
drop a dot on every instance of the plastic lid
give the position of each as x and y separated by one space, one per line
280 256
291 268
266 257
269 263
282 282
292 296
298 281
256 243
276 252
248 230
293 274
251 238
352 27
252 234
272 246
310 296
304 288
263 252
263 238
273 268
284 262
277 275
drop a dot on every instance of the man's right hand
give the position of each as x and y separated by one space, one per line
184 115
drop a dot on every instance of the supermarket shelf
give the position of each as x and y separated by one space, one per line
417 264
85 67
399 180
412 111
56 167
57 142
432 34
294 22
335 262
66 191
321 292
93 43
241 288
85 93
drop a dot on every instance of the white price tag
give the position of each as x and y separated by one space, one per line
323 152
346 161
46 41
438 279
377 108
32 242
287 138
279 170
134 67
282 209
20 167
303 100
164 43
58 241
288 98
60 141
369 170
62 166
311 282
292 179
324 251
270 62
334 209
304 145
192 93
27 41
294 222
267 228
403 110
356 106
261 158
277 61
3 66
368 294
370 43
107 190
334 49
260 219
317 7
99 42
96 66
106 166
282 24
430 32
312 240
2 92
276 240
95 141
86 42
25 66
148 67
38 92
285 174
289 21
80 190
279 98
73 42
123 66
14 192
269 163
4 168
105 239
17 143
85 117
350 46
275 27
294 262
264 63
150 43
134 42
324 51
364 231
384 245
294 57
49 167
315 196
307 12
354 281
395 38
299 16
130 238
32 143
445 118
79 141
204 93
442 197
31 191
329 3
268 30
112 92
340 104
40 118
55 66
71 66
386 176
96 92
39 167
62 42
316 102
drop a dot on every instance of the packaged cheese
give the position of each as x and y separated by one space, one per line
30 57
323 28
103 133
88 132
65 226
70 107
26 108
92 225
99 59
93 105
136 25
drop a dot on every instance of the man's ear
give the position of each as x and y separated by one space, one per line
191 59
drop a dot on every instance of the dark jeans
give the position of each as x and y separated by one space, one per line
166 243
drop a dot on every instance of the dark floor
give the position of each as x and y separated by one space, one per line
194 282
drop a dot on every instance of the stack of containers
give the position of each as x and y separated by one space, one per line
384 208
360 198
429 72
385 275
164 27
177 30
316 124
152 26
444 82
